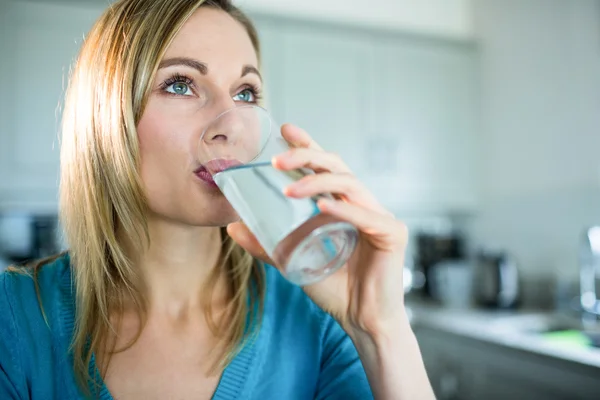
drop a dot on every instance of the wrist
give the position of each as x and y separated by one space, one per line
384 334
392 360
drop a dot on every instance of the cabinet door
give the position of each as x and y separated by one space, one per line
449 366
40 42
323 90
512 374
401 111
504 384
271 43
424 114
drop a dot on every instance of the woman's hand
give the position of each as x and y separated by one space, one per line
366 296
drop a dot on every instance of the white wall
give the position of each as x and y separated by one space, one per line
451 18
541 124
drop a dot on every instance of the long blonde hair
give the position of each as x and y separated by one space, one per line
101 191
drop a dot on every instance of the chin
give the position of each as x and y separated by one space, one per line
223 220
195 210
215 215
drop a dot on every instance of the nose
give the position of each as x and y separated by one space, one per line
225 128
234 134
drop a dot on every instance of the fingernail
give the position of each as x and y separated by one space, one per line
289 190
276 161
326 203
281 157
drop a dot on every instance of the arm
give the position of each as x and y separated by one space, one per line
365 296
393 363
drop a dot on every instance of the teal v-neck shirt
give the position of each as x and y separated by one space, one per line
300 352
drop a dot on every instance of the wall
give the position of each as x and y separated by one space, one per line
541 124
450 18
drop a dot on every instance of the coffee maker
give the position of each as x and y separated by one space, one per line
433 248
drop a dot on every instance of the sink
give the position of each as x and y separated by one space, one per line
536 323
556 328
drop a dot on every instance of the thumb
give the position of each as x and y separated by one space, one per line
240 234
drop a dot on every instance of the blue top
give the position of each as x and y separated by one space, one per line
300 352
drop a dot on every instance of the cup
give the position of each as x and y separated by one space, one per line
236 149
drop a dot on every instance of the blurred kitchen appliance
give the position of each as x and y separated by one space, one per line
589 270
27 236
496 280
433 248
451 283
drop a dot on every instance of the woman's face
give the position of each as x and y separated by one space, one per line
210 67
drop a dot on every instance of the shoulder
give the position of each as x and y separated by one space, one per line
26 289
31 301
29 325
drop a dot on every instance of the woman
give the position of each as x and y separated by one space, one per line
161 295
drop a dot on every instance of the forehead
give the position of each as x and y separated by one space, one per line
214 37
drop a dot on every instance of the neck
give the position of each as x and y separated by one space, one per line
176 266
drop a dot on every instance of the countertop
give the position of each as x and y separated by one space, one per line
498 327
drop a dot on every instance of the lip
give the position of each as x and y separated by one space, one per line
205 172
205 177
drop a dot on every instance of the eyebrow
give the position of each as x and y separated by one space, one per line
202 67
188 62
249 69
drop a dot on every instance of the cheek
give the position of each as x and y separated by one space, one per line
167 141
156 141
167 161
165 153
166 131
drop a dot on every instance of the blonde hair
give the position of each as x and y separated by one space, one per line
101 191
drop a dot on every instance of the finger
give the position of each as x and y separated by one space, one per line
383 231
344 185
240 233
317 160
298 137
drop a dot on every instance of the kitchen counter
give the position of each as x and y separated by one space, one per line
503 328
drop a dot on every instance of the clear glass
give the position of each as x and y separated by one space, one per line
236 149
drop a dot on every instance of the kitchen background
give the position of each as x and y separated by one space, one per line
475 121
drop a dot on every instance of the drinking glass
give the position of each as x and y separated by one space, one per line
236 151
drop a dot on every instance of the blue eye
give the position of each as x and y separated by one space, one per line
246 96
179 88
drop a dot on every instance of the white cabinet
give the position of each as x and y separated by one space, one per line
424 114
271 44
401 111
5 102
38 43
322 83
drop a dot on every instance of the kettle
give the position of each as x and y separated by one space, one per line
496 280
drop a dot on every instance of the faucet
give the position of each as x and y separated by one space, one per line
589 271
